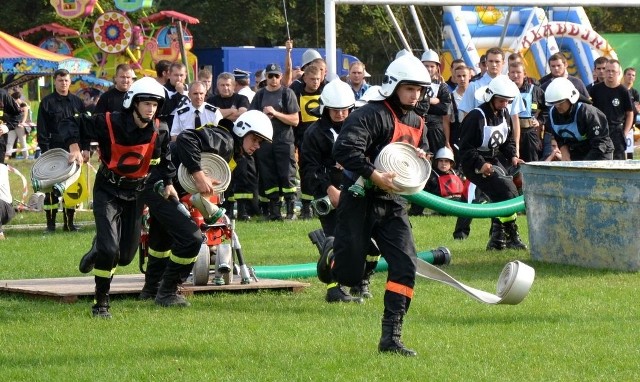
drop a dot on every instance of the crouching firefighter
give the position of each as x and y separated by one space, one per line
486 134
174 238
379 213
130 144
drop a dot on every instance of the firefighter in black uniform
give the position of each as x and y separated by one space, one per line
130 143
112 99
379 214
581 130
52 110
323 175
486 132
175 239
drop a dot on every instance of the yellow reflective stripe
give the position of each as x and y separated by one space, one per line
159 254
242 196
50 207
104 274
508 218
232 164
231 199
154 162
262 199
182 260
372 258
289 190
271 190
306 197
331 285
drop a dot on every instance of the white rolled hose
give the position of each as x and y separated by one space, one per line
214 167
513 284
53 172
412 172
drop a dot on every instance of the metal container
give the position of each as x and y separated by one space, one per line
584 213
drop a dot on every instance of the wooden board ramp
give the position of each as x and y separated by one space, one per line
69 289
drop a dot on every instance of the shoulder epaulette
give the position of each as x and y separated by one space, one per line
183 110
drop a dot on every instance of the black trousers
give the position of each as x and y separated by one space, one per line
170 229
358 220
118 217
277 165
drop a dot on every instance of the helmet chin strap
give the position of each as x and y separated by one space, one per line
140 117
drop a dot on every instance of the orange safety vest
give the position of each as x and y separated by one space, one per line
129 161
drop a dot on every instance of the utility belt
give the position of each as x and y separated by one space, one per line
525 123
122 181
615 126
488 154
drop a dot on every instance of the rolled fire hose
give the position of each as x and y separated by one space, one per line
214 167
412 172
53 172
513 284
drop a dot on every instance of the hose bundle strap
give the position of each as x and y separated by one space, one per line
53 172
412 172
214 167
513 284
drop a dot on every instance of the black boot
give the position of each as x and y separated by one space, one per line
415 210
168 290
155 269
317 237
51 220
290 205
305 210
323 268
335 293
362 289
390 339
100 306
243 210
513 238
69 215
498 240
274 210
88 261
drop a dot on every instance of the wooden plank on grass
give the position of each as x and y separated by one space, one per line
69 289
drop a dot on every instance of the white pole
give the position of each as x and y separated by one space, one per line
405 43
330 36
416 20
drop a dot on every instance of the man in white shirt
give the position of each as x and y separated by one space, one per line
242 84
197 113
495 63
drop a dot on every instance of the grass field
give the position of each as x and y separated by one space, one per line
576 324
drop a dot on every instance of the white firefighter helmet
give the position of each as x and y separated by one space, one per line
337 94
254 121
371 94
144 88
405 69
445 153
308 56
501 86
560 89
430 56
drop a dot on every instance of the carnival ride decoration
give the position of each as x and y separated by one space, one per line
71 9
109 38
22 61
112 32
534 32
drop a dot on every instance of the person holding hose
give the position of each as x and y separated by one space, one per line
379 213
486 133
130 144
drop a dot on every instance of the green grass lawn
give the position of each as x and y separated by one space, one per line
576 324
